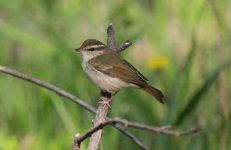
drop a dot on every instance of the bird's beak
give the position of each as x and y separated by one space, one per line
78 49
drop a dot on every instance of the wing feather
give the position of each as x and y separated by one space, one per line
117 67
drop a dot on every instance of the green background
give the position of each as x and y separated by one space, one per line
179 45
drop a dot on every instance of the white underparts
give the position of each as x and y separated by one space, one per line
105 82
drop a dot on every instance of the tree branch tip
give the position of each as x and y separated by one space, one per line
110 28
190 131
128 42
77 135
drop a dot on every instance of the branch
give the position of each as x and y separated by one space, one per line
126 124
64 94
161 129
123 46
100 118
111 37
111 40
48 86
133 138
79 139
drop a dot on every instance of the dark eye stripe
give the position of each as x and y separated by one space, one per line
91 49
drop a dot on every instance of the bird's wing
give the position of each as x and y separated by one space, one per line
134 70
118 68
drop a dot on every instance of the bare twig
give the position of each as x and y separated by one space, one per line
100 118
126 124
111 37
123 46
75 145
161 129
136 140
111 40
62 93
79 138
48 86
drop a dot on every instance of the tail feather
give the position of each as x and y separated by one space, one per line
155 93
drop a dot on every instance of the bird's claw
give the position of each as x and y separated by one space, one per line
105 102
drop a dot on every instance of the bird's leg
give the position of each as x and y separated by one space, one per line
105 102
105 98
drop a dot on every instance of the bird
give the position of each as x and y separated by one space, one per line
110 72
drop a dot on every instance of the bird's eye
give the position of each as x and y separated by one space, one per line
91 49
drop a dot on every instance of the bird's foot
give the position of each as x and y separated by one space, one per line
105 102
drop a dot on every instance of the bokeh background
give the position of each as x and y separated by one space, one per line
183 47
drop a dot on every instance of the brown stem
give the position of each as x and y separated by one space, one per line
111 37
127 124
136 140
123 46
111 40
100 118
48 86
161 129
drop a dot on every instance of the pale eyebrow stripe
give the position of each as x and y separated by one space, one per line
95 46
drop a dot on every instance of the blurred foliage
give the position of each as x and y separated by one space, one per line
183 47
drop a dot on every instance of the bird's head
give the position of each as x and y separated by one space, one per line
91 48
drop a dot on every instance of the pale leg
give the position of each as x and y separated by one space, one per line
105 102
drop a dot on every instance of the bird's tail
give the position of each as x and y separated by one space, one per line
155 93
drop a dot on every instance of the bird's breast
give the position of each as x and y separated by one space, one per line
105 82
